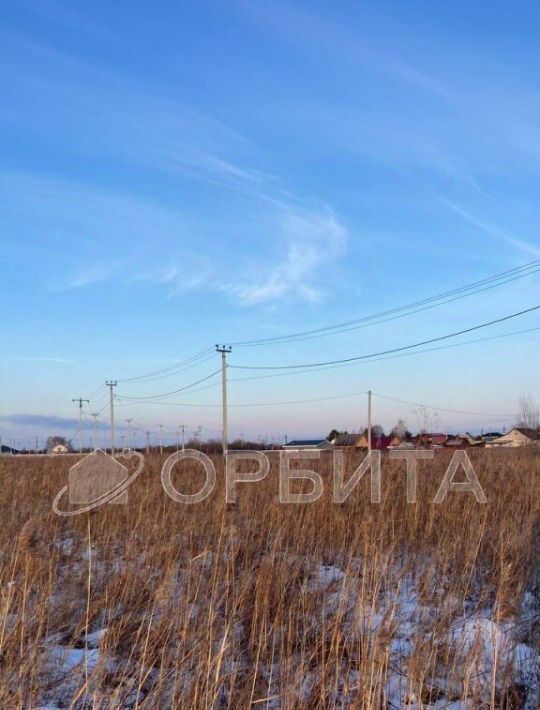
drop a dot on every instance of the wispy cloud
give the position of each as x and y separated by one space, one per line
313 241
493 232
88 275
307 28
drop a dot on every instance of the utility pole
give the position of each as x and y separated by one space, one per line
161 438
80 401
147 442
224 350
369 421
94 429
37 445
182 427
129 432
111 384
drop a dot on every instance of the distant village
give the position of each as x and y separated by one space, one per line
396 440
404 440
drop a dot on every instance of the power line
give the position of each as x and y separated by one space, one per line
349 364
167 369
392 350
331 367
335 397
170 373
431 302
441 409
384 316
169 394
105 406
379 359
300 401
97 391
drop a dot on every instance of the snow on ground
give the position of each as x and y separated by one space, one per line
484 649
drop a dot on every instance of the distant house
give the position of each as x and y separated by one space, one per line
518 436
380 443
302 444
489 436
348 440
8 450
429 440
462 441
59 449
402 446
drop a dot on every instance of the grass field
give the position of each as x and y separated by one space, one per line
155 604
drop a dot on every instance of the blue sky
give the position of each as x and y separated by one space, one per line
182 174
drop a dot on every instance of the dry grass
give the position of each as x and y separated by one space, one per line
322 605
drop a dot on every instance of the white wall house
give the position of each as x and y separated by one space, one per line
59 449
516 437
302 444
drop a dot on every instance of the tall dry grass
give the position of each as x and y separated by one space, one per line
266 604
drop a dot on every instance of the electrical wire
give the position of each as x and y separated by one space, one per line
107 404
384 316
171 373
167 369
335 397
96 392
441 409
458 293
379 359
350 364
168 394
392 350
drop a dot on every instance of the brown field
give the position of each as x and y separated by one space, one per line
155 604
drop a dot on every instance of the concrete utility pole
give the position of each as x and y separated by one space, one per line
182 428
147 442
94 429
161 438
80 401
224 350
111 384
369 421
129 432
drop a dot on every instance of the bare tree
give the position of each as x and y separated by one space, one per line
400 430
428 419
376 431
528 412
